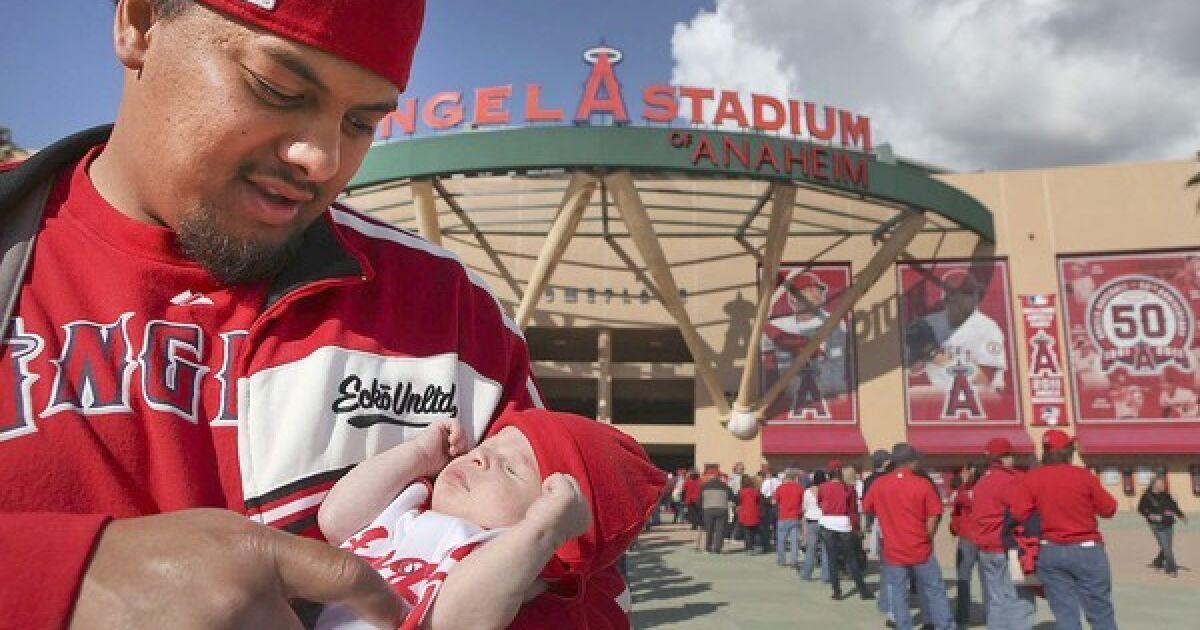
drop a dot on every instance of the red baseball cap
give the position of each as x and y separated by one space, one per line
616 478
1056 439
379 35
800 280
998 447
960 281
834 464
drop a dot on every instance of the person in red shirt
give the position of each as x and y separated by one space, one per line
908 510
788 497
839 526
1007 605
967 554
691 498
1072 563
749 514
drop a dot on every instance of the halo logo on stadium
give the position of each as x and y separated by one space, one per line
1139 322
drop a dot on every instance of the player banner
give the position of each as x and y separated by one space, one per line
957 343
1132 321
823 392
1046 379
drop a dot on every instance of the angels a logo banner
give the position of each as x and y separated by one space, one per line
823 392
957 343
1046 378
1132 320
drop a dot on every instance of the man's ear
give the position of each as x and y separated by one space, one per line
132 22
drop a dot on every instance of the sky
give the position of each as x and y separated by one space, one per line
965 84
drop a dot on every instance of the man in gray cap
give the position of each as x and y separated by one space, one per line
909 509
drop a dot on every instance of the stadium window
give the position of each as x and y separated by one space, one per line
649 345
574 395
653 401
562 344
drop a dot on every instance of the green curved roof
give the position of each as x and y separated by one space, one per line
658 149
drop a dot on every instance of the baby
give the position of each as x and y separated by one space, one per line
555 497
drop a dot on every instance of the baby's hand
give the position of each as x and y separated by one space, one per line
440 442
561 508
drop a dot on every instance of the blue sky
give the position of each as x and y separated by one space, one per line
966 84
68 78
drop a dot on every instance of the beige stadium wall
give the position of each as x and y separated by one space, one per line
1038 214
1106 208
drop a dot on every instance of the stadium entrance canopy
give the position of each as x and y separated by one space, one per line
646 184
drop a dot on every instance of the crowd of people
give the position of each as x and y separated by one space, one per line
1028 531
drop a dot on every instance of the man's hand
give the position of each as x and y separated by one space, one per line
440 442
561 509
209 568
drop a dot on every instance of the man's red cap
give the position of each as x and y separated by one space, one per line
616 477
1056 440
800 280
834 464
998 447
379 35
961 281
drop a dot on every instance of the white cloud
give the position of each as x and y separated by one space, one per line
970 83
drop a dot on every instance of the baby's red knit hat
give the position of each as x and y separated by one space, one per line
616 478
379 35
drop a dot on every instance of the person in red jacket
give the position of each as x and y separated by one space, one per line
204 340
749 514
966 556
1072 564
908 510
691 498
788 497
1007 605
839 526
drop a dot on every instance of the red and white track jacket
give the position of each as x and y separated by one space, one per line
131 383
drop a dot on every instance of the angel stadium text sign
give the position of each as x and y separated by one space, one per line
831 144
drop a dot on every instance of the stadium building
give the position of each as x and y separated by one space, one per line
703 255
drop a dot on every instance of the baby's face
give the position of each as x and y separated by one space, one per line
493 485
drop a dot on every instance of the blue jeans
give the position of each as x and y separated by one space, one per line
1008 606
769 510
881 593
787 531
928 575
1167 555
815 547
1077 577
753 535
966 559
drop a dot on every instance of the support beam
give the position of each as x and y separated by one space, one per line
641 230
604 399
905 232
575 200
777 232
487 248
759 204
426 210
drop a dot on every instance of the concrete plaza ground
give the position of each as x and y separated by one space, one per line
677 587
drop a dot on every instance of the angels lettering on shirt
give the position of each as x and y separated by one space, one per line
414 549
